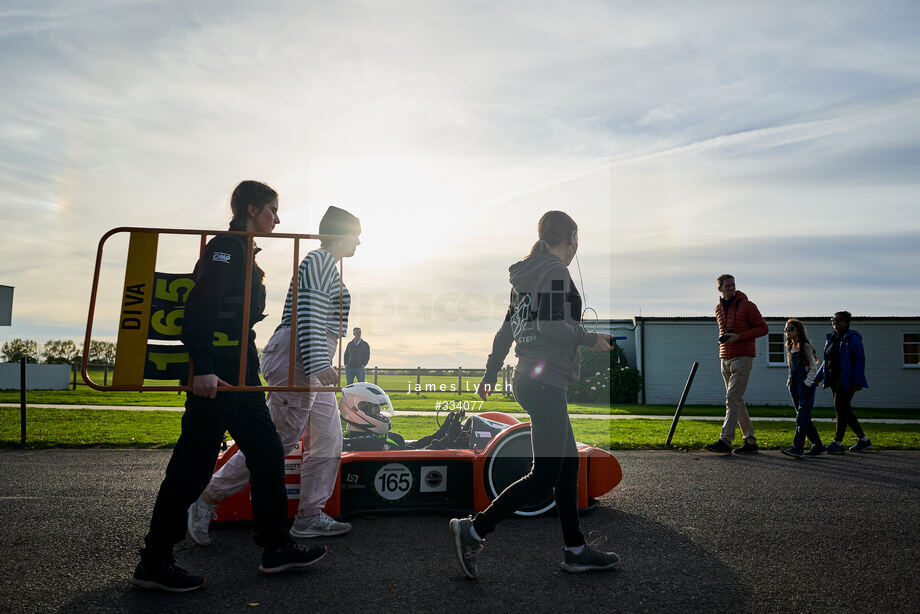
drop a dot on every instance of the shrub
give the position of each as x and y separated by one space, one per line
101 353
60 352
17 349
605 378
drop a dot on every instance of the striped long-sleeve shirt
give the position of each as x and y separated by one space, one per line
318 289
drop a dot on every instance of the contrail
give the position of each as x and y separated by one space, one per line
749 140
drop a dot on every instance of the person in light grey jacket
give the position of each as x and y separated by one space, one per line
543 321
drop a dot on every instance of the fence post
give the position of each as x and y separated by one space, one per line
73 371
22 401
418 382
105 376
459 381
375 376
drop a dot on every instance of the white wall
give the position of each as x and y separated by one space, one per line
38 377
672 346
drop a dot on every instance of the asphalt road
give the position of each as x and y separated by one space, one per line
696 532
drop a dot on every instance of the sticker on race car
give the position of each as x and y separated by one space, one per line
433 479
393 481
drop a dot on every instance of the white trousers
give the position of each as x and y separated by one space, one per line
311 415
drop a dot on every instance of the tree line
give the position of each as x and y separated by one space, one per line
57 352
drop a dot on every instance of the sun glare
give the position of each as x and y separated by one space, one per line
401 203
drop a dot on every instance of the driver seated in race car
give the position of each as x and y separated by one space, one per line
366 410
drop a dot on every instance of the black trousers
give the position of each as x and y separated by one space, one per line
245 415
555 463
845 415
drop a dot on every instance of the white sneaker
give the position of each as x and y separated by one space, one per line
321 525
199 520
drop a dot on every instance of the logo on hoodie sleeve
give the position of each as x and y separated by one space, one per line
522 320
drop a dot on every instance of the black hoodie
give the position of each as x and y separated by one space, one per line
214 310
543 320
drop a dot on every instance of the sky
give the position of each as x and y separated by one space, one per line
779 142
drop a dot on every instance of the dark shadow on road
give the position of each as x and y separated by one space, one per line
407 564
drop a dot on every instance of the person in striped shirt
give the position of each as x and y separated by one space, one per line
322 308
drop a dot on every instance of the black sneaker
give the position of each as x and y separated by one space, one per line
835 448
793 452
290 556
165 575
748 448
719 447
817 450
466 546
862 444
589 559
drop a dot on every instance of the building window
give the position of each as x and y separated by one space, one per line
912 350
776 353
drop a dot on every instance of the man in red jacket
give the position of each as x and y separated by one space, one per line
740 323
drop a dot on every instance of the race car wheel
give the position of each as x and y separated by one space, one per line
509 461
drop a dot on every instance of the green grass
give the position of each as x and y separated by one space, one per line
425 401
48 428
694 434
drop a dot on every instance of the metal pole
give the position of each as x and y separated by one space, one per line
375 376
73 370
680 405
459 381
22 401
418 381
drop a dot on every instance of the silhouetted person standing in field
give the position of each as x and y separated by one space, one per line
357 354
740 323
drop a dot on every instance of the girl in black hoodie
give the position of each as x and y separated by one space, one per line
543 321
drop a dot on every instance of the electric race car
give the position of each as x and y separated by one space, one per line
488 453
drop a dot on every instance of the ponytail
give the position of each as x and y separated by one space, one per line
539 247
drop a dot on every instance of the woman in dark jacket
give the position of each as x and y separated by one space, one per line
844 372
212 326
543 321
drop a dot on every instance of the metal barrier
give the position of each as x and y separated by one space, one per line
138 319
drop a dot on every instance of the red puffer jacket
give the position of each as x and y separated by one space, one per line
742 317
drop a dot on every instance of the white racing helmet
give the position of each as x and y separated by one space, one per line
365 408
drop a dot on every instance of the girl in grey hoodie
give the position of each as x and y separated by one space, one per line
544 322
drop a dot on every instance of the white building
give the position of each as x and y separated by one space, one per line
664 348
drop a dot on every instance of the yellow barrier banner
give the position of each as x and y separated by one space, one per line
134 319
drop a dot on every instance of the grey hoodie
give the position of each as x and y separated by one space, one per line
543 320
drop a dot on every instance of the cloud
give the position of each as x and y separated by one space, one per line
802 275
